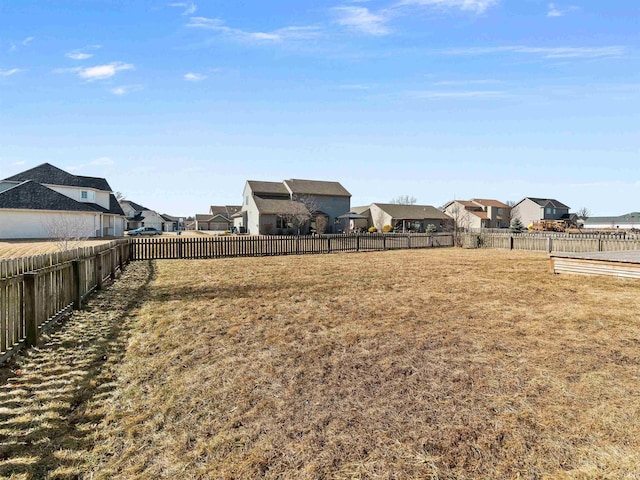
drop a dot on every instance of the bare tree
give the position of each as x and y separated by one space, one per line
404 200
321 223
299 211
459 222
508 216
583 214
120 196
67 231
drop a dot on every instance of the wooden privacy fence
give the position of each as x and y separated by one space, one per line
37 291
257 246
551 243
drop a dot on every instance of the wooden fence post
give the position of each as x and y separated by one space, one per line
98 271
358 243
550 244
112 257
511 242
384 242
409 241
30 309
328 244
77 285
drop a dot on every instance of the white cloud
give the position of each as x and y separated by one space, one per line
8 73
554 11
78 55
362 20
477 6
125 89
613 51
194 77
282 34
102 72
28 40
189 7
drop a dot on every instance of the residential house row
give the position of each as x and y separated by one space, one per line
39 202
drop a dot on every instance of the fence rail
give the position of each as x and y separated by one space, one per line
37 291
551 243
225 247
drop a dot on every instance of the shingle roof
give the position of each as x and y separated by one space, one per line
114 205
31 195
50 175
487 202
267 188
547 202
276 207
412 212
136 206
316 187
226 211
363 210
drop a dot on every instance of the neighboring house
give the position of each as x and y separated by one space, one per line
139 216
627 221
173 224
478 213
267 206
403 218
219 218
48 202
531 210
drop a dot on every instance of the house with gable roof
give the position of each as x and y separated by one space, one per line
219 218
264 205
531 210
44 200
402 218
478 213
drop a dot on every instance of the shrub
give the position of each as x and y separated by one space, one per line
516 226
373 229
387 229
431 228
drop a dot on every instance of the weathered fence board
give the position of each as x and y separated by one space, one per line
37 291
554 242
226 247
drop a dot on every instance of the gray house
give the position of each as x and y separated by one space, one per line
531 210
271 207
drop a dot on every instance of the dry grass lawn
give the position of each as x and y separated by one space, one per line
441 364
26 248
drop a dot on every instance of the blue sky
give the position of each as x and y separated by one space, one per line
177 103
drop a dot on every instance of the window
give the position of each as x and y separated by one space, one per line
499 211
281 223
88 195
548 210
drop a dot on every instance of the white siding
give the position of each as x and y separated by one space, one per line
100 197
41 224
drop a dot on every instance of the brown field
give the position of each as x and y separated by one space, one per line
441 364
